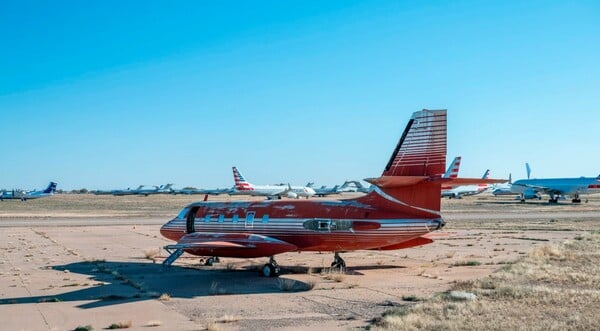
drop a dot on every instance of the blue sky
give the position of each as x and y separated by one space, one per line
114 94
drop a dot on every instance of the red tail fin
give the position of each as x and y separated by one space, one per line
421 150
411 176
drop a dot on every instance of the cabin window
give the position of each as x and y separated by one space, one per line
207 218
235 218
250 219
265 218
221 218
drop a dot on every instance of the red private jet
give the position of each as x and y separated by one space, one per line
402 207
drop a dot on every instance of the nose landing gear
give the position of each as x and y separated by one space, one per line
338 262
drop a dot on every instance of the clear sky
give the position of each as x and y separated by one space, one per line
113 94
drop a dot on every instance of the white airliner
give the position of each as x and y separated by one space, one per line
243 187
465 190
353 186
556 187
453 168
506 189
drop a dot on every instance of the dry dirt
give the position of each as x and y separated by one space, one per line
77 260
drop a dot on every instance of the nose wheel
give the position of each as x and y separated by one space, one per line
338 262
271 269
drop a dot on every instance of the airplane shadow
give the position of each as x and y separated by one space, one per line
352 270
112 283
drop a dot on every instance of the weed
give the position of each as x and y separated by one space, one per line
84 328
228 319
215 289
285 284
151 253
411 298
153 323
469 263
120 325
213 326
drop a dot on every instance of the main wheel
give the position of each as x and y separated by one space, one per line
269 270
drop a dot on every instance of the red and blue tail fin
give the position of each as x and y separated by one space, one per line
452 171
241 184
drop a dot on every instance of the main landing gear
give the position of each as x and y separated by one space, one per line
212 260
576 199
338 262
271 269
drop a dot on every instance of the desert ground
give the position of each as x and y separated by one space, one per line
71 261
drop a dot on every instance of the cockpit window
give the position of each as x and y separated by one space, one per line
183 213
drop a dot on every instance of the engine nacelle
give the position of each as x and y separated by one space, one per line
292 195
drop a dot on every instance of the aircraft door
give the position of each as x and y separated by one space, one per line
250 219
191 218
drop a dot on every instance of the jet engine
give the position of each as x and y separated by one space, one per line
292 195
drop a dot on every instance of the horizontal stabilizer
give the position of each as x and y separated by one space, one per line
213 244
395 181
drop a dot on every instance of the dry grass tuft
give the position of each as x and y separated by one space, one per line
310 284
213 326
286 284
216 289
120 325
228 319
556 286
84 328
335 275
151 253
153 323
470 263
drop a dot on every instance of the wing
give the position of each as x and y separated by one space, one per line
558 190
242 245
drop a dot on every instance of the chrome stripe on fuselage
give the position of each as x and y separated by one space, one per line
391 231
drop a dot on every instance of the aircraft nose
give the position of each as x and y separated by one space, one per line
168 231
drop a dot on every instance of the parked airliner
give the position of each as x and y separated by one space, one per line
506 188
556 187
324 190
353 186
452 172
243 187
466 190
399 212
26 195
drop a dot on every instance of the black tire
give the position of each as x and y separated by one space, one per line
269 270
209 262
